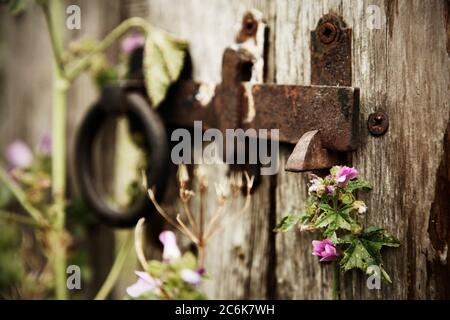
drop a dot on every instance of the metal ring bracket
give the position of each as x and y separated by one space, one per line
117 101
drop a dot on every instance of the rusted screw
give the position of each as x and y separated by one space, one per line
327 32
249 24
378 123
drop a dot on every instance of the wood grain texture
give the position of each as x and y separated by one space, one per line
238 258
402 69
25 109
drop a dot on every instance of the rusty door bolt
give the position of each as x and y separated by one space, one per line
327 32
378 123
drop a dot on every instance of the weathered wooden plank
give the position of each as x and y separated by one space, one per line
25 38
298 273
403 69
238 259
418 82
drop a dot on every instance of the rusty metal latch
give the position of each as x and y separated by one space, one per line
321 119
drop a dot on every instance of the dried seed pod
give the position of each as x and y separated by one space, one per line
183 175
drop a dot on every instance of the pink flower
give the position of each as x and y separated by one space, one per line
45 145
169 241
315 184
132 42
19 154
329 189
145 283
324 249
344 175
191 277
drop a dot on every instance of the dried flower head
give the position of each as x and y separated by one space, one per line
183 175
222 191
201 174
236 183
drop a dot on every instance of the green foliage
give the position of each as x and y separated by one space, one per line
12 269
332 220
172 285
334 210
288 222
99 68
5 196
358 184
364 250
163 61
187 261
80 213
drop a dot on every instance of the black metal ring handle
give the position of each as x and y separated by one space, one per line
117 101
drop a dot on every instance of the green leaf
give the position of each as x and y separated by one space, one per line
288 222
163 61
381 236
334 220
358 184
347 198
5 196
365 250
187 261
17 6
156 268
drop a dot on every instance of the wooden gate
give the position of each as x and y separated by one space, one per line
401 68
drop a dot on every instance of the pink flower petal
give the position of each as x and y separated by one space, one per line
169 241
19 154
132 42
145 283
191 277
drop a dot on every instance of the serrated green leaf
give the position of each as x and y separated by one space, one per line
333 220
365 250
288 222
163 61
357 256
358 184
381 236
325 207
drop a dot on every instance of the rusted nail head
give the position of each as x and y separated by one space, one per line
249 24
378 123
327 32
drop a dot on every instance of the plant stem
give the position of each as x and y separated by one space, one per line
59 180
22 198
336 281
201 255
53 11
116 268
117 32
14 217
